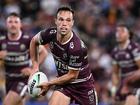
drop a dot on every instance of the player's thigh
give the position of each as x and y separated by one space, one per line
12 98
59 98
131 100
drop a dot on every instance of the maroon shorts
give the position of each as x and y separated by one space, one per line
82 93
122 97
18 85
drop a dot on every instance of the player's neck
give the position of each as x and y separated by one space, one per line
124 44
64 39
14 36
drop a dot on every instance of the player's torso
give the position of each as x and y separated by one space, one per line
18 51
61 54
126 60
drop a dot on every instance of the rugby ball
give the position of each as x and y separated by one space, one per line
35 80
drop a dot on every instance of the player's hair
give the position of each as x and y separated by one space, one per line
131 34
13 14
65 8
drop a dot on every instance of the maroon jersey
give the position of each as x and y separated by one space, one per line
18 53
69 55
125 58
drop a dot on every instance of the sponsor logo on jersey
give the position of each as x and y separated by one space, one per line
65 56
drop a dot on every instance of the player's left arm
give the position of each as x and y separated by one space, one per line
69 77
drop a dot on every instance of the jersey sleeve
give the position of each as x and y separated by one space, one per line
45 36
136 52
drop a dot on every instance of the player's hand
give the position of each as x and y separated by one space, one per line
44 88
125 90
134 77
3 54
26 71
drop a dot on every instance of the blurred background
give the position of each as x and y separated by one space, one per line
95 21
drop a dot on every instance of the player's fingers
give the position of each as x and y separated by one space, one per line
42 93
39 86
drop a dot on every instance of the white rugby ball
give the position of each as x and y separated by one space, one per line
37 79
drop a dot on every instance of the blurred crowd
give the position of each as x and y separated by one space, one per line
95 21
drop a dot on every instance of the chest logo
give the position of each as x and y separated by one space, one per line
22 47
71 45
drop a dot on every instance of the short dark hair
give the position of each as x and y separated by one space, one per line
13 14
128 28
65 8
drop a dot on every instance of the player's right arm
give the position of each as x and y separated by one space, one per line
3 54
34 46
41 38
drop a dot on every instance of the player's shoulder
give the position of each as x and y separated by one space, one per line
134 47
26 36
76 44
134 44
114 50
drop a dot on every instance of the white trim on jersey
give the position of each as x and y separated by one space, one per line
82 80
68 39
73 68
19 36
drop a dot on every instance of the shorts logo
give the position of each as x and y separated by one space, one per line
91 96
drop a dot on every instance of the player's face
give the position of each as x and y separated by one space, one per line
64 22
13 24
122 34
